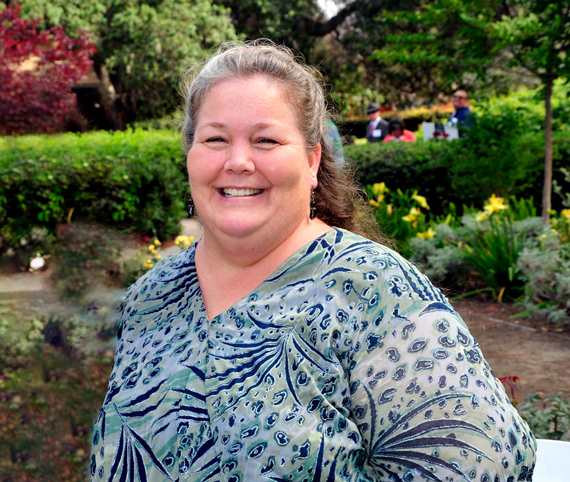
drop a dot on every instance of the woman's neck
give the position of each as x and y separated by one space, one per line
228 268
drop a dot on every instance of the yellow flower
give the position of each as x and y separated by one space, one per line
482 216
495 205
430 233
414 213
565 213
421 200
148 265
157 242
184 241
374 203
158 257
379 188
179 240
389 209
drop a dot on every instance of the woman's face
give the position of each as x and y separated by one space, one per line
250 173
397 132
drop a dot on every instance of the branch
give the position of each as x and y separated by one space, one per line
523 63
320 29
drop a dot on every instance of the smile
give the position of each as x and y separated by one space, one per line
231 192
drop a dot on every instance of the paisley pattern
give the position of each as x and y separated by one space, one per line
345 365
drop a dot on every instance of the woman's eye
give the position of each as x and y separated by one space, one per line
215 139
265 140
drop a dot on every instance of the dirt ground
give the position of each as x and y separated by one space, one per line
535 351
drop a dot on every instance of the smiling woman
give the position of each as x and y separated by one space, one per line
284 346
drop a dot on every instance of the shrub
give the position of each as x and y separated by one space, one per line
544 265
448 172
49 400
496 157
547 416
130 180
37 71
85 257
421 166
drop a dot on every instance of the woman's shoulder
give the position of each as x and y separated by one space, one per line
365 262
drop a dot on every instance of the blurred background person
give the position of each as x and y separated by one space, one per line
377 128
462 115
397 132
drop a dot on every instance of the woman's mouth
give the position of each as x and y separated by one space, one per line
232 192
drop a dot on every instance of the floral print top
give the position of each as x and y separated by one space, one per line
346 364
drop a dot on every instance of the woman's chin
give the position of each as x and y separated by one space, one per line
239 229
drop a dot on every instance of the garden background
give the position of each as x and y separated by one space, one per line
93 188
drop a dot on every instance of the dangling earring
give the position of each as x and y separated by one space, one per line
313 213
190 207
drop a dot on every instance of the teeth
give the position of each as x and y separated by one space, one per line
240 192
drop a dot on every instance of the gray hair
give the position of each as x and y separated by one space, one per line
301 84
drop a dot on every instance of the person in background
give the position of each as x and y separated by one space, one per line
285 345
397 132
377 128
462 115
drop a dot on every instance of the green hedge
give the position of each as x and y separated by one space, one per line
135 180
461 171
131 180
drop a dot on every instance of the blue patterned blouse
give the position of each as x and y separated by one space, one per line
346 364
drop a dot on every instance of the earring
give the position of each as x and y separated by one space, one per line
190 207
313 213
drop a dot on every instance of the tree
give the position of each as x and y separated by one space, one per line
433 47
142 47
37 69
451 38
537 36
295 23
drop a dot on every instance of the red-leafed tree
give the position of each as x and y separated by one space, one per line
37 70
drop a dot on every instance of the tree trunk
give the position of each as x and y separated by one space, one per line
547 187
108 98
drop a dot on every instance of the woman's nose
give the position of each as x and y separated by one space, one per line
240 158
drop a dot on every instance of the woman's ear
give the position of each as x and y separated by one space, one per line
314 163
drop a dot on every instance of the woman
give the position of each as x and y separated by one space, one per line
283 346
397 132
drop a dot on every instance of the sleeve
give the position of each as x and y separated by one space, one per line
426 402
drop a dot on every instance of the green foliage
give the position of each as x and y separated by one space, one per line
485 245
538 36
497 152
49 398
438 169
421 166
85 256
544 265
131 180
492 248
547 416
144 45
432 43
